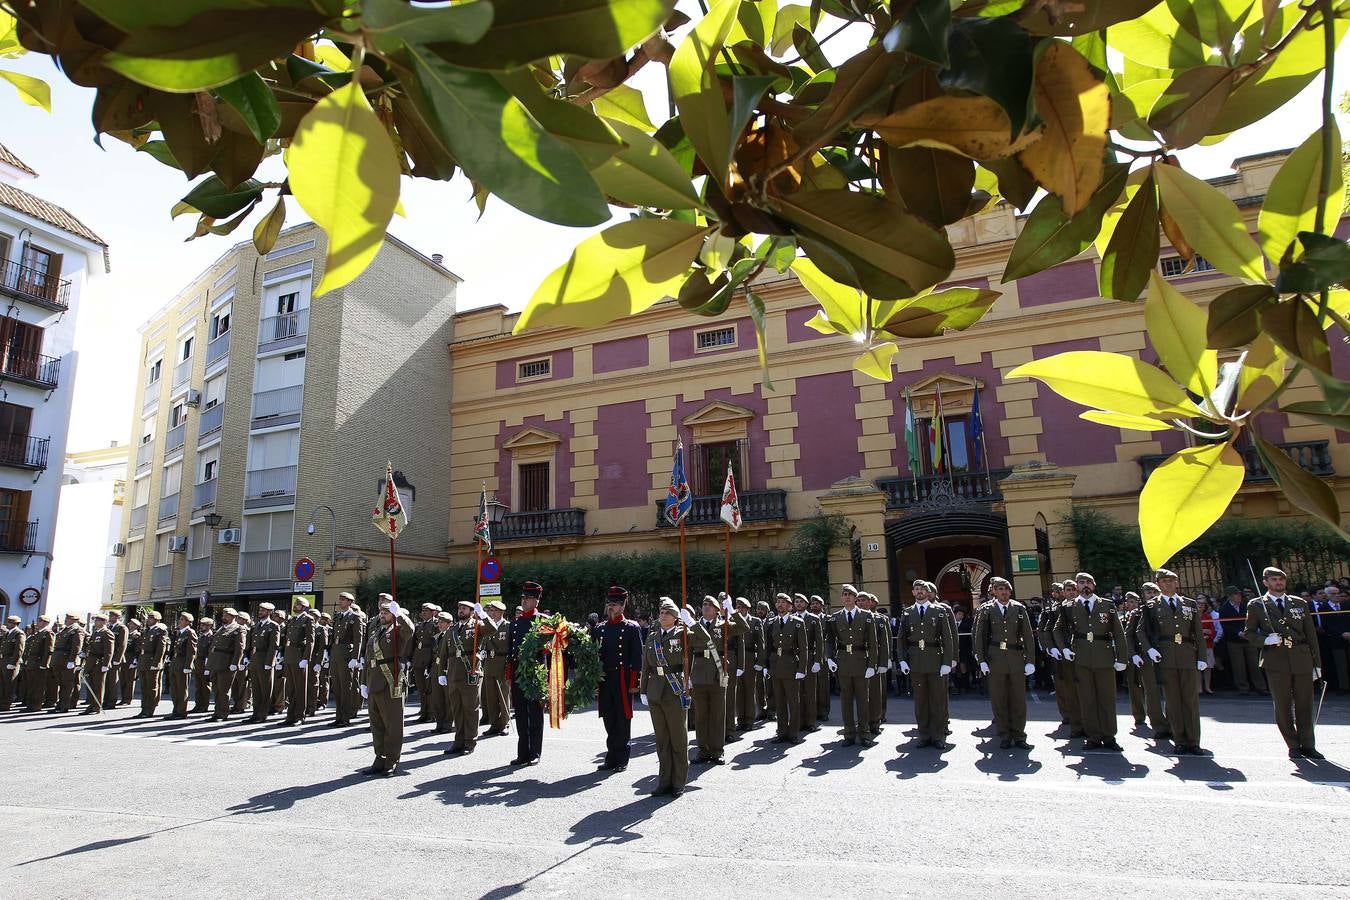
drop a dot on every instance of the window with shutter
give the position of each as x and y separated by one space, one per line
534 493
710 467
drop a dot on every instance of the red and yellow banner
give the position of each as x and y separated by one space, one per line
557 673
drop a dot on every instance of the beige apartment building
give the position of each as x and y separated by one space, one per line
262 411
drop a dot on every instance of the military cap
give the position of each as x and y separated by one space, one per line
816 598
668 605
495 604
300 600
101 615
782 596
207 620
13 620
188 616
1271 570
799 596
1087 575
228 611
742 602
709 598
281 612
849 589
155 614
245 616
266 607
531 589
1232 589
72 615
385 598
43 617
763 604
1163 573
617 595
431 606
999 580
469 603
1131 595
325 617
866 595
1151 586
347 595
445 617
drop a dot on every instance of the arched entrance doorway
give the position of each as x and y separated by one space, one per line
962 581
957 550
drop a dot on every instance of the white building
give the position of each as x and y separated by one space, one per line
93 491
46 255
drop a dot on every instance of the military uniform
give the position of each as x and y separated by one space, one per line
201 675
66 665
180 669
262 666
927 644
1004 640
1288 663
280 687
496 690
784 656
851 642
619 642
750 683
529 713
299 649
12 646
465 644
823 676
318 661
349 628
663 684
1091 630
37 664
1170 630
1066 688
876 685
98 657
126 680
709 678
117 670
227 652
1141 679
150 666
385 689
440 689
423 653
815 664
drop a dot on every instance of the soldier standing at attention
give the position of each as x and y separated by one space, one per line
1130 616
927 652
383 685
1169 634
150 663
619 641
262 662
201 675
815 652
876 685
747 695
784 656
710 677
227 652
318 657
239 696
851 643
1004 647
664 691
440 666
1089 635
299 648
12 646
37 663
348 630
66 663
1290 658
496 690
466 643
763 690
529 713
116 668
817 609
279 687
1066 690
423 653
98 657
180 667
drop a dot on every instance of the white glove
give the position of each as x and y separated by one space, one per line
984 668
1119 667
1137 660
325 658
187 671
904 668
1069 655
886 668
1154 655
354 664
394 609
360 662
834 666
1201 665
304 664
1272 640
105 668
243 662
799 675
479 611
133 663
945 670
815 667
234 668
870 673
70 665
440 679
759 668
365 692
740 672
1029 669
642 698
1317 674
687 618
1054 653
268 668
10 667
726 604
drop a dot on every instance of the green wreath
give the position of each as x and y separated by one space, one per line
583 664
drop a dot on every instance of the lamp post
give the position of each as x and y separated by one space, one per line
496 510
332 531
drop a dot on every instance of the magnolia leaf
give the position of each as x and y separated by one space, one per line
972 126
392 22
253 99
756 304
876 361
954 309
644 173
1319 411
131 17
213 198
1110 381
1262 373
1184 496
1014 182
993 57
1120 420
1050 236
1212 22
1132 248
934 184
1210 222
698 92
344 173
1155 39
923 32
624 104
1176 326
589 136
1325 263
857 86
1185 111
1294 326
841 305
1305 490
265 233
33 91
618 272
1290 205
1235 315
1076 106
1279 79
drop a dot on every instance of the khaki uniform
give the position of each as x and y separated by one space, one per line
423 653
1097 640
465 644
876 688
1004 640
927 642
37 664
1142 681
1176 635
383 678
750 684
734 662
227 652
299 647
851 641
440 700
1288 664
707 639
1066 689
150 665
201 675
349 627
664 702
12 647
318 658
117 669
496 690
98 655
784 656
239 695
66 666
128 677
180 669
262 666
815 669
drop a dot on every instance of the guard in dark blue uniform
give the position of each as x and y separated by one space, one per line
529 713
620 645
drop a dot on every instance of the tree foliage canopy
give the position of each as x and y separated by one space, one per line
784 153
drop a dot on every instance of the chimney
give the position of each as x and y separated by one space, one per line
438 258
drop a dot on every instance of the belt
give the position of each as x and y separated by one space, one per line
1004 645
661 670
707 654
492 654
1178 639
1086 637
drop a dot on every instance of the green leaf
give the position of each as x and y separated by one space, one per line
1119 420
1319 411
254 101
1177 328
1155 39
790 16
1110 381
954 309
624 104
298 69
1186 495
160 151
992 57
212 49
756 304
841 305
1305 490
182 129
134 16
265 233
33 91
1132 249
344 173
501 146
578 127
934 184
644 173
1325 262
922 32
620 271
237 157
698 92
804 42
1291 200
1050 236
891 253
1210 222
876 361
1212 22
212 198
1235 315
392 22
746 92
1014 182
1262 373
1295 328
1186 110
858 84
1076 106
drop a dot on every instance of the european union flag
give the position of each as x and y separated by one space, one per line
680 500
977 429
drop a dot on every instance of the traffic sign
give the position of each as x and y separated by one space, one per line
490 570
304 569
29 596
489 590
304 587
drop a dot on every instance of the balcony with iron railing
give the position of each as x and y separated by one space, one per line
138 516
217 347
972 487
35 286
278 403
204 494
265 565
131 582
199 570
175 438
150 394
18 537
168 506
276 482
210 420
756 506
145 454
161 576
21 451
283 330
182 372
31 368
540 525
1312 456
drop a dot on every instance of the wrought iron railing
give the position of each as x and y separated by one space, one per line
23 452
18 537
284 327
544 523
969 487
27 283
756 506
43 371
1312 456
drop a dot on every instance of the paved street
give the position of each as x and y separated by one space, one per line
120 807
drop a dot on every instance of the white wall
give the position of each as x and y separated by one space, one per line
82 568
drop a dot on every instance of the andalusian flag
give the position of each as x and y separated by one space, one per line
482 530
935 429
912 438
390 516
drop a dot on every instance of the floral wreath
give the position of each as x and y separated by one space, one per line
553 634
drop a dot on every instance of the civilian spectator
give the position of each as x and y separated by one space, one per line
1213 631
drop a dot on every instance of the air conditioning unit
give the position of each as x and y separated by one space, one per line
119 549
194 398
229 536
178 545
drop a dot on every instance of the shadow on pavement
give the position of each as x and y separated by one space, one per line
912 763
1006 765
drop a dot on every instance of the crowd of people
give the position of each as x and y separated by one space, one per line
720 669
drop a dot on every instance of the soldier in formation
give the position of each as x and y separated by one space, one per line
180 665
1005 646
349 628
384 684
619 644
463 647
927 651
665 692
851 639
150 662
98 662
1089 634
1280 624
784 657
529 713
13 642
496 686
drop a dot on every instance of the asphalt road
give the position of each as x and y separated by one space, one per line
117 807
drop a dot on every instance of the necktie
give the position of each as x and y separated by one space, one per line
1279 601
923 608
1173 601
850 617
1002 611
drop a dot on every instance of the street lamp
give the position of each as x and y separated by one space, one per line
496 510
212 521
332 530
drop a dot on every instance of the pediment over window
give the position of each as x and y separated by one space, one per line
958 394
531 437
718 421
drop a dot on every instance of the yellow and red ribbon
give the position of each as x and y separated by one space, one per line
557 674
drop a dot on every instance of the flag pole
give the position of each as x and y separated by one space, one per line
684 602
